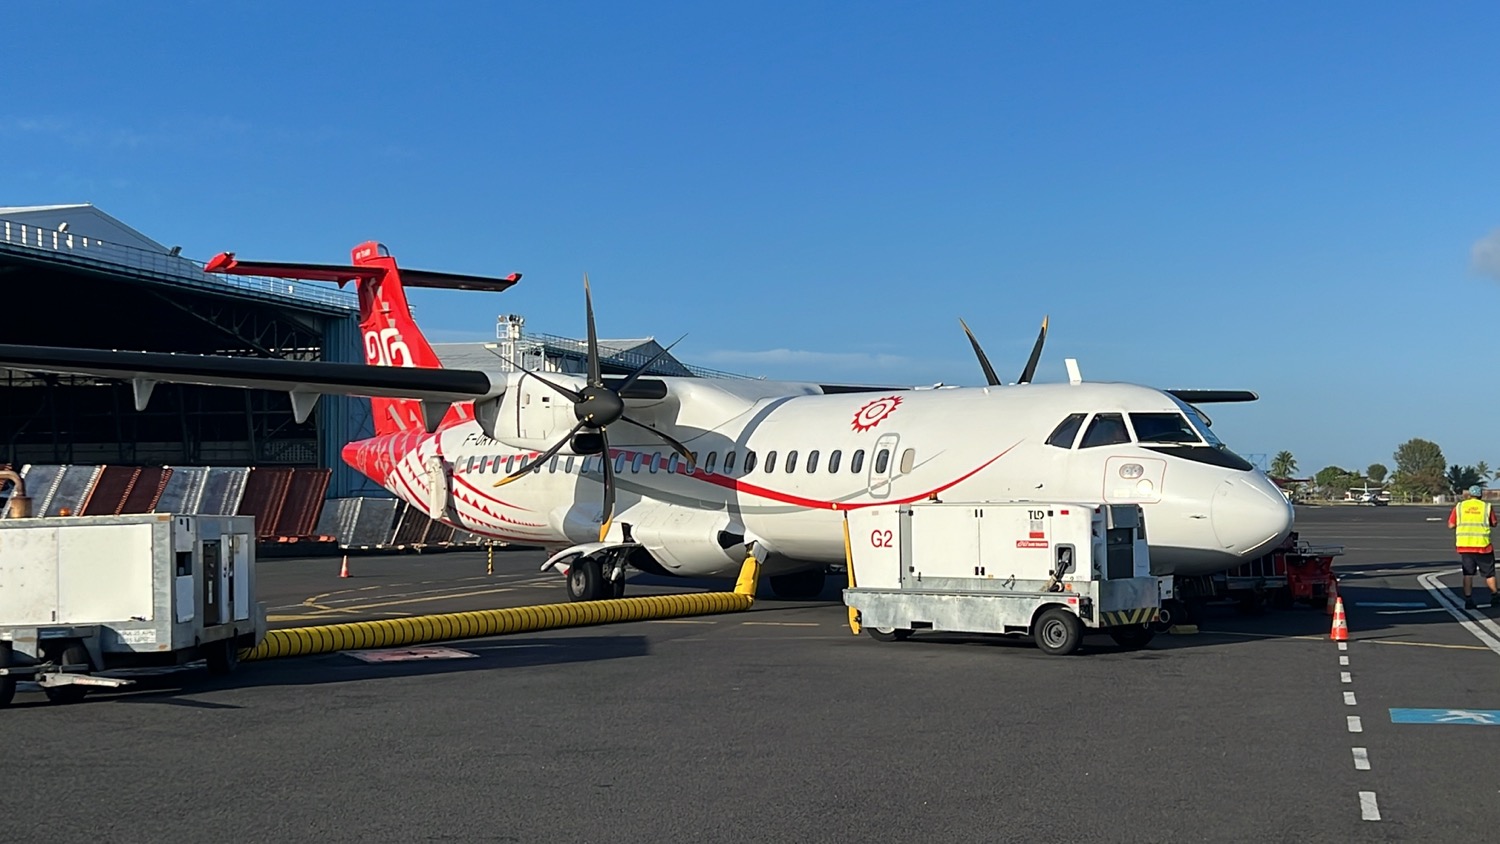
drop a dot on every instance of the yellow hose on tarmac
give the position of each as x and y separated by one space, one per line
396 632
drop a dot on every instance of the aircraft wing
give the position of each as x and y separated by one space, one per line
304 380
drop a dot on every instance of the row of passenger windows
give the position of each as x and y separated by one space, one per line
789 463
1109 429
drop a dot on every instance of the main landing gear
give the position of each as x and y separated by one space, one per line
590 579
798 585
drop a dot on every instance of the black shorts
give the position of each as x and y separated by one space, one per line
1482 563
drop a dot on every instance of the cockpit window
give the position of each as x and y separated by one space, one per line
1163 428
1200 423
1106 429
1066 431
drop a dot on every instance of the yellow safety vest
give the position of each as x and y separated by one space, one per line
1473 526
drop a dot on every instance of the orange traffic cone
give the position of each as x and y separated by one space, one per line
344 571
1340 632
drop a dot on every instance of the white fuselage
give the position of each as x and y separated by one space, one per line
817 456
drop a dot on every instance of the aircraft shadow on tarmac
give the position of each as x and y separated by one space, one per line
494 654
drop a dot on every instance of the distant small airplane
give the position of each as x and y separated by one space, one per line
679 476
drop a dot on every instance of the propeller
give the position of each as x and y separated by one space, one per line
596 407
989 371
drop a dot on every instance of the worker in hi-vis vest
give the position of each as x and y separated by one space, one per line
1472 520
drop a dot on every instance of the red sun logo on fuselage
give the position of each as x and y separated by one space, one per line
871 414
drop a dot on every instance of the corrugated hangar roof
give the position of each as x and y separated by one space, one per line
82 218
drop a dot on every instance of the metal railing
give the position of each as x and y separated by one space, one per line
631 358
34 242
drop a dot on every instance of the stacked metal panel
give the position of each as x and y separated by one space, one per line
147 490
411 529
303 504
223 490
41 480
374 523
69 491
338 518
183 490
109 492
263 496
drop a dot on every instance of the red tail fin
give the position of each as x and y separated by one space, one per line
390 335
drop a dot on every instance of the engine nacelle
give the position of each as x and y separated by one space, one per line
707 542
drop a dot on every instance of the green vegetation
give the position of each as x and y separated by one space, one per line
1421 472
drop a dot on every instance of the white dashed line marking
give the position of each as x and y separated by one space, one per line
1343 646
1354 724
1344 677
1361 759
1349 698
1369 810
1343 660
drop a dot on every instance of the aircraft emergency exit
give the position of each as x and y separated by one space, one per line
678 476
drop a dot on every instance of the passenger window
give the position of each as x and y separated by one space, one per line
908 460
620 463
791 462
708 465
510 463
882 460
1066 431
635 462
770 461
568 466
833 461
749 462
1106 429
857 462
729 463
552 464
655 459
812 461
672 463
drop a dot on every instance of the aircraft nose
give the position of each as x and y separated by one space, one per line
1250 516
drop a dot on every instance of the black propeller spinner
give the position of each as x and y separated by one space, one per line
596 407
989 371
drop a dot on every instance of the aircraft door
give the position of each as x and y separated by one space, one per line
438 483
883 465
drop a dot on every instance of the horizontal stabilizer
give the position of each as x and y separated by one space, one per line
302 376
226 263
1214 396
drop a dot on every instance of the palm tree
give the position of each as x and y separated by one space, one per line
1284 465
1485 474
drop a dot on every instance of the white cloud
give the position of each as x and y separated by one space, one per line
1485 256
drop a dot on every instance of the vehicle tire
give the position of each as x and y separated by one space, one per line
801 585
586 580
222 656
74 654
1057 632
1132 636
888 634
7 683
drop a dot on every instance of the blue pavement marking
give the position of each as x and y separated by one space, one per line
1404 604
1472 717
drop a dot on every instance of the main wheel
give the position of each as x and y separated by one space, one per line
1132 636
888 634
1057 632
222 656
7 683
798 584
586 580
74 654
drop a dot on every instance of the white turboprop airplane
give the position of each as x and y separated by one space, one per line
679 475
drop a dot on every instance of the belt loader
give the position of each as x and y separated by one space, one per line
86 594
1050 570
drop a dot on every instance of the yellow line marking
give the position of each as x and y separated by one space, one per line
351 608
1426 645
780 623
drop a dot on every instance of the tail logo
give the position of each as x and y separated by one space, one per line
386 348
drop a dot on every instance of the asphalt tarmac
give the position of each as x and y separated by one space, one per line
778 725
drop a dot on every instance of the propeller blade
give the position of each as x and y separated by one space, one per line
984 362
569 394
542 458
608 515
1036 355
595 379
669 440
641 370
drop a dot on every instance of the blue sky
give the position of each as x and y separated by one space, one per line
1282 197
